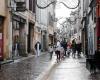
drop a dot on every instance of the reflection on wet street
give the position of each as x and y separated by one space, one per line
72 69
25 70
30 69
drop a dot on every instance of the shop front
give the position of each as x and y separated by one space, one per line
30 37
18 35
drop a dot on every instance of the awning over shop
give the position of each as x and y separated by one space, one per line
18 18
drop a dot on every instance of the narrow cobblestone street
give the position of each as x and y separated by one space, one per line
28 69
72 69
32 30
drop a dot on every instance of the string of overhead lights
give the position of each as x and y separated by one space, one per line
41 7
70 7
55 2
71 3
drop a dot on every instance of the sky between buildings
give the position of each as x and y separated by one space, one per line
62 12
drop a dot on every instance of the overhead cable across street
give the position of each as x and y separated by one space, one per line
55 2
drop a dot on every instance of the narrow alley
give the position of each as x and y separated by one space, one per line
49 39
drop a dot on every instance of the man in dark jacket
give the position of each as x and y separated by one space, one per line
38 48
64 45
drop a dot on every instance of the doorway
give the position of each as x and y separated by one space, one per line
30 37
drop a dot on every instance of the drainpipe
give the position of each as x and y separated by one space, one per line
27 26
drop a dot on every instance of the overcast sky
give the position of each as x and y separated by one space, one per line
62 11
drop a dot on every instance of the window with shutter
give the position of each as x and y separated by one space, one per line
30 5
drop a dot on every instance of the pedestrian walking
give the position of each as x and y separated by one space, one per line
62 52
73 48
16 49
68 48
58 43
79 50
64 44
38 48
16 46
57 51
51 50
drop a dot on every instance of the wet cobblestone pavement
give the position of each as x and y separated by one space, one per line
28 69
72 69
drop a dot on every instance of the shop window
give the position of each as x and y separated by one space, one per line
21 6
32 5
17 25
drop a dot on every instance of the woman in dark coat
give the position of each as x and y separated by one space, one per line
73 48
